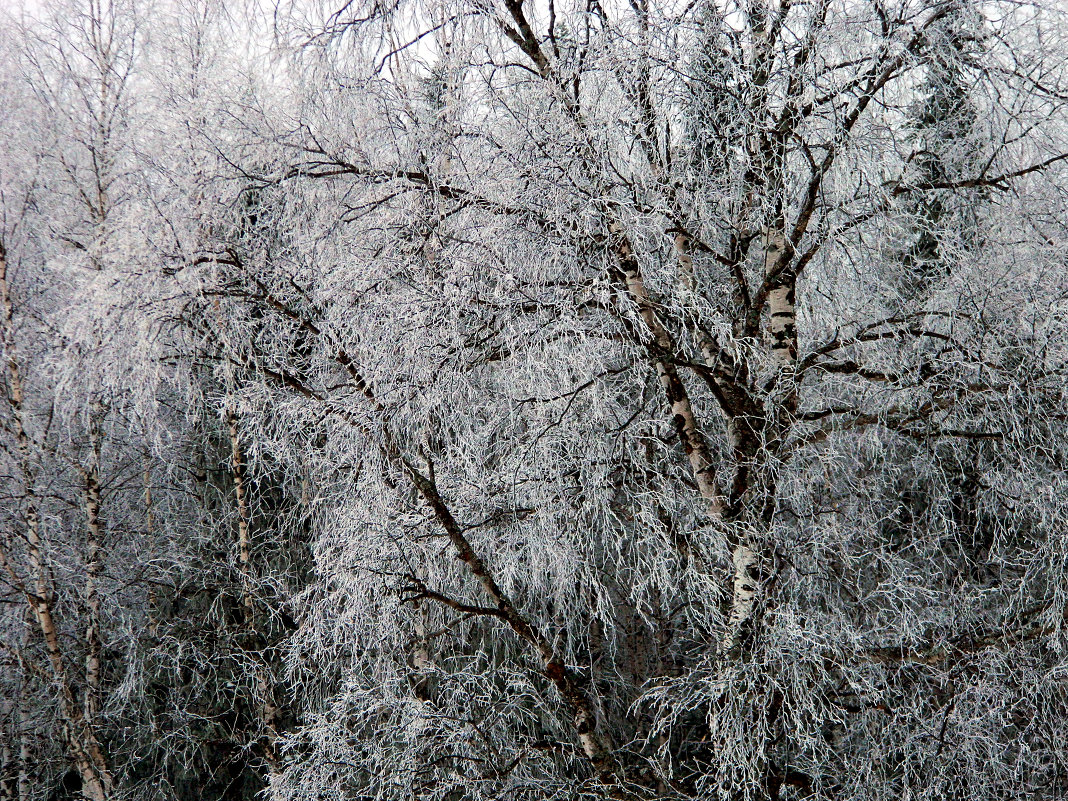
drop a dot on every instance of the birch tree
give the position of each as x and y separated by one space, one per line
535 400
602 359
88 545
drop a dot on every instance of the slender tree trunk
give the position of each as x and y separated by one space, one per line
82 744
25 754
150 533
685 420
244 550
265 693
93 568
84 749
24 722
8 765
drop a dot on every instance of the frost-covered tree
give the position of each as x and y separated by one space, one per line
524 400
623 420
62 201
134 525
948 147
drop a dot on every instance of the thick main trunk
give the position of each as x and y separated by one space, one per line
743 600
782 316
422 663
781 337
744 420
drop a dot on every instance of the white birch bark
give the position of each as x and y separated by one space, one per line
745 560
84 749
93 567
782 345
244 549
693 440
782 319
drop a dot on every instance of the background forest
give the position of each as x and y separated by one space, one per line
522 400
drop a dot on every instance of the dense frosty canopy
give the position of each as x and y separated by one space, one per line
533 400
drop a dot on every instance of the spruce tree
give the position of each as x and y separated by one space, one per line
712 108
946 137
